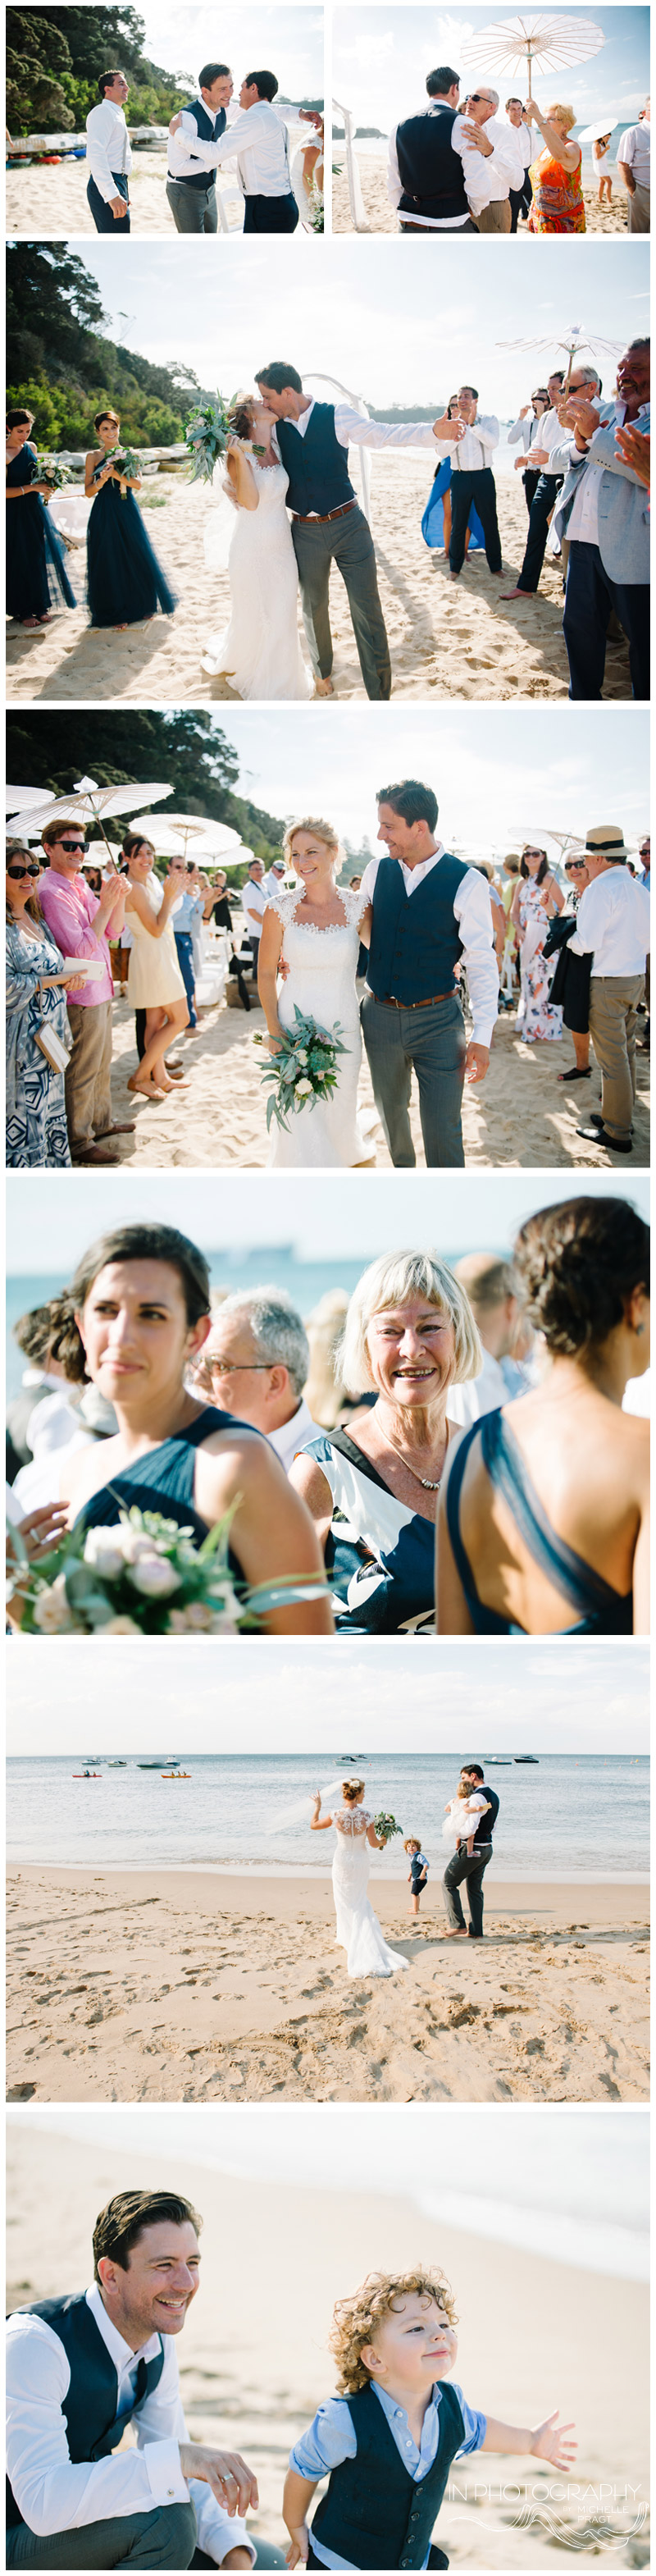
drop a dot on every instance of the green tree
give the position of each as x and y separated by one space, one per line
55 58
185 745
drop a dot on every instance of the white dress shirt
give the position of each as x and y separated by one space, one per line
353 430
185 142
469 455
108 147
254 904
56 2494
525 138
635 148
473 913
583 523
484 178
478 1395
294 1435
257 140
524 433
272 885
613 920
501 172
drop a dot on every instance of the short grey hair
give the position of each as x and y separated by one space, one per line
391 1281
590 375
278 1331
493 95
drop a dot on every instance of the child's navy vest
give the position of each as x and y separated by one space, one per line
415 940
208 129
316 463
429 170
374 2513
89 2407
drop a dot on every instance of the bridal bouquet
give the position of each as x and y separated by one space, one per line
386 1826
206 436
145 1576
304 1069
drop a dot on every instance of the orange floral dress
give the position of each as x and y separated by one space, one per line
557 205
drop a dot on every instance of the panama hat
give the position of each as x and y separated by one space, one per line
608 840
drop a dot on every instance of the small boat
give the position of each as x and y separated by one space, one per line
86 1775
117 1765
175 1775
526 1757
499 1762
156 1761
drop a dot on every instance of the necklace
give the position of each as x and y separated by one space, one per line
431 1484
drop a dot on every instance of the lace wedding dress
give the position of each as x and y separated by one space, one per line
259 652
321 983
357 1928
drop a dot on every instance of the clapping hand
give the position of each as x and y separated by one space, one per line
451 430
576 413
633 446
549 2442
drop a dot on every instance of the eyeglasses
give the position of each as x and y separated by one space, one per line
16 873
235 1368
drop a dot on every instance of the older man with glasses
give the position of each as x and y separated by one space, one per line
501 151
79 921
255 1364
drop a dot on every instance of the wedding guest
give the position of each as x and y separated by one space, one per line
79 922
258 141
604 510
155 983
571 981
436 522
634 165
613 928
541 1021
37 580
372 1490
254 904
520 198
108 156
188 911
548 484
83 2367
603 169
529 433
140 1313
430 910
125 582
491 1288
558 203
431 162
544 1515
472 483
220 910
273 882
503 162
191 193
34 1332
255 1363
37 982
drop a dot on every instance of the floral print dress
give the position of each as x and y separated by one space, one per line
37 1132
537 1016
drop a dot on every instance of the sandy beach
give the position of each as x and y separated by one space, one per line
522 1117
253 2358
382 217
196 1986
447 640
45 201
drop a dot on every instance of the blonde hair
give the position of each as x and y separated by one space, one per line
568 113
390 1281
413 1843
355 2319
309 823
352 1790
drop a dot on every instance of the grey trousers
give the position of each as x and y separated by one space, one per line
348 543
87 1076
639 206
613 1020
165 2538
194 210
432 1042
470 1866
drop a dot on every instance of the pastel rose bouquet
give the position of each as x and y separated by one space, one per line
141 1576
304 1068
386 1826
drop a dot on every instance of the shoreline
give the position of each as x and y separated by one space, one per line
602 1895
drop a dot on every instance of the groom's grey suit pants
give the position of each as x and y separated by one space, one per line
347 542
432 1041
164 2538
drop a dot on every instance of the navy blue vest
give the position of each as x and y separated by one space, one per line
89 2407
208 129
374 2513
415 941
430 171
316 463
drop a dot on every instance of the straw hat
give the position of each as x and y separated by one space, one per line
607 841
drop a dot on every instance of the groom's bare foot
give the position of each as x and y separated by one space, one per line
323 688
456 1932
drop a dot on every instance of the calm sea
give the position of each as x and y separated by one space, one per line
278 1264
559 1818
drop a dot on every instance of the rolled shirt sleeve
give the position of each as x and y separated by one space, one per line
328 2440
473 912
353 430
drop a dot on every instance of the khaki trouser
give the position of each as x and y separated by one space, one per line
613 1014
639 205
88 1095
495 219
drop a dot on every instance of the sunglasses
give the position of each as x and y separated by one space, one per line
532 854
16 873
575 867
71 846
479 98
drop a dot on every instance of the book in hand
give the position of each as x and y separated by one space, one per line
52 1046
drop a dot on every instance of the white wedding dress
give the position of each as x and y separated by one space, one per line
321 983
357 1929
259 652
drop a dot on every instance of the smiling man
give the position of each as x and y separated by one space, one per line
430 910
604 510
108 155
80 2369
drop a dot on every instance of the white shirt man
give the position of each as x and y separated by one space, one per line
483 177
474 918
294 1435
474 452
109 158
274 881
613 922
255 137
634 165
501 159
254 904
55 2494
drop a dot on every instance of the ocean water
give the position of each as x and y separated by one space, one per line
561 1818
278 1264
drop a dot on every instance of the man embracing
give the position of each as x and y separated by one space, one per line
429 912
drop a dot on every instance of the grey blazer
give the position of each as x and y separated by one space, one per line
623 500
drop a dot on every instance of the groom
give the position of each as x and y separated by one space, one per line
327 523
81 2369
429 910
471 1866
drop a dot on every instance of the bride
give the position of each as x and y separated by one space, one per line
309 956
357 1929
259 652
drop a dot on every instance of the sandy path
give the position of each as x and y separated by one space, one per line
447 640
382 218
170 1986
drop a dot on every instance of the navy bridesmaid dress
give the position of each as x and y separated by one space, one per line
37 580
432 525
125 582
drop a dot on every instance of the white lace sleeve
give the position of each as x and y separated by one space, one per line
351 897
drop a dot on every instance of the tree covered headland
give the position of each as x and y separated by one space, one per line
53 750
60 367
54 57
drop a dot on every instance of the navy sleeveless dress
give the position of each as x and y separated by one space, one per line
125 582
602 1611
380 1556
37 580
163 1481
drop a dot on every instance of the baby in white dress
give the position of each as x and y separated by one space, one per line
462 1815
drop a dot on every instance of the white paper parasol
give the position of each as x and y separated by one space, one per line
174 832
87 803
574 343
550 44
602 125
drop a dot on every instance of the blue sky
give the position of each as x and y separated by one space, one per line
388 329
381 82
289 41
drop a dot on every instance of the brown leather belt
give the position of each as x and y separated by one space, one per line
390 1003
314 518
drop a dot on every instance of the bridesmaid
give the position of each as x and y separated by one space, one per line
36 572
125 582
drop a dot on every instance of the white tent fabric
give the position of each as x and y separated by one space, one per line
362 453
356 199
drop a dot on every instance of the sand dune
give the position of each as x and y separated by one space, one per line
382 217
202 1988
447 640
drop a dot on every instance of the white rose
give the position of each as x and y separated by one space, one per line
102 1550
154 1576
302 1090
133 1543
52 1612
119 1628
301 1055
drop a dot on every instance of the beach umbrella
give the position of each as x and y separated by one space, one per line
209 840
550 44
87 803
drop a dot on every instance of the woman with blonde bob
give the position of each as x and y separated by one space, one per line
373 1490
308 963
558 205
